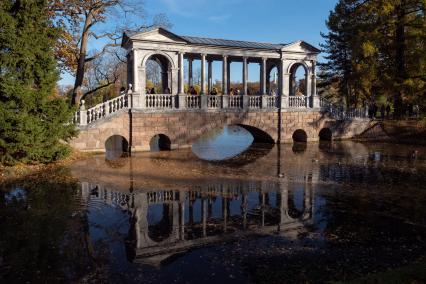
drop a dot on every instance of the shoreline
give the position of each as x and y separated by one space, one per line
10 174
399 132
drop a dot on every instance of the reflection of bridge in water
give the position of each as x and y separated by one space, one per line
169 222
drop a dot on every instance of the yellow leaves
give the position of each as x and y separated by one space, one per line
369 49
66 50
387 7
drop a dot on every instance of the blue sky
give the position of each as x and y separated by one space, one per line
275 21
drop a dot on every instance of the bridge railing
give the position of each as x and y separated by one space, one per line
99 111
193 102
159 101
341 113
297 101
235 101
214 102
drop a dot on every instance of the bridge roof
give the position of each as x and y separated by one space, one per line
132 35
231 43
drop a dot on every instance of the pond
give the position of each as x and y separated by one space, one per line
224 212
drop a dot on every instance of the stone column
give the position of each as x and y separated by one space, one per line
263 77
203 74
225 75
174 90
190 71
181 74
209 77
284 85
135 71
245 75
315 97
308 87
181 94
263 92
228 67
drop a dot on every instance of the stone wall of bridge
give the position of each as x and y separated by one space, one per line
185 127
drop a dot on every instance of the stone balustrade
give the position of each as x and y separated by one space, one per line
159 101
298 102
340 112
162 102
99 111
235 101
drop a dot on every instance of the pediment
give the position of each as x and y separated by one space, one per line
157 35
300 47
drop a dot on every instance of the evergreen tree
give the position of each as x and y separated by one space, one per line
338 46
377 48
33 122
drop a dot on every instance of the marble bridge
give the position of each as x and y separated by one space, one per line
278 112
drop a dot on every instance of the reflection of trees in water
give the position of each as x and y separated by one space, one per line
39 238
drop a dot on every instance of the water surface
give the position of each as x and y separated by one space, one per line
289 213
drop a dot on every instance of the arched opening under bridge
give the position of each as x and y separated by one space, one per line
116 146
160 142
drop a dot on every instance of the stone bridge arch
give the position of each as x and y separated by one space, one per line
184 128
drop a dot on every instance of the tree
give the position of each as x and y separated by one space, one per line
376 48
85 21
33 121
337 46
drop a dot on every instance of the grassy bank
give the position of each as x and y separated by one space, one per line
21 170
406 131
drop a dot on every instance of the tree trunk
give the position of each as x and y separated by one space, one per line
81 64
400 71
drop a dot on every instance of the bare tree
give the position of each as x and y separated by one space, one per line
85 21
153 73
197 77
103 72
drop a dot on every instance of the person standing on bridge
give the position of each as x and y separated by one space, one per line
192 91
213 92
388 109
382 112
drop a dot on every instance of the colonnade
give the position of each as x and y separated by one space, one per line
176 74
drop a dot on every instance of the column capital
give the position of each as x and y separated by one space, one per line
264 59
181 52
203 55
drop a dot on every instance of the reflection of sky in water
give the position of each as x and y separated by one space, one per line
17 194
108 228
223 144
